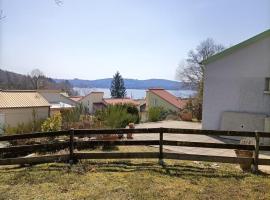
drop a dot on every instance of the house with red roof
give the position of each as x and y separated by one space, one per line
95 101
159 97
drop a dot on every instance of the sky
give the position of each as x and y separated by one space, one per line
142 39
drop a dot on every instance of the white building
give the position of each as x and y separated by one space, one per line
237 87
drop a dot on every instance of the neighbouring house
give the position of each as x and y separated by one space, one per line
237 87
18 106
95 101
142 109
59 100
91 101
158 97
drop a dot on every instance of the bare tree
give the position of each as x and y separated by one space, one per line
36 77
58 2
191 70
2 16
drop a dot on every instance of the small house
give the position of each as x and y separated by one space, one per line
17 106
158 97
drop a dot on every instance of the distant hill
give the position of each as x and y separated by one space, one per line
14 81
129 83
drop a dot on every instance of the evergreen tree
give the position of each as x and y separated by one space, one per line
118 89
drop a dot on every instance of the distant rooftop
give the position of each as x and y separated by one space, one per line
21 98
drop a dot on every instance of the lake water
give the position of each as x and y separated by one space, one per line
133 93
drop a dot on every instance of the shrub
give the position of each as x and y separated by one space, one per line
73 115
133 110
53 123
116 116
156 114
29 127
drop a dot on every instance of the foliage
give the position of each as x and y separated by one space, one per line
53 123
156 114
73 115
36 80
118 89
31 126
133 110
191 71
116 116
24 127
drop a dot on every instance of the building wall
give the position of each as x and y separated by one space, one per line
14 116
236 83
93 97
152 100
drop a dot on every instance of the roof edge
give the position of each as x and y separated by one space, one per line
240 45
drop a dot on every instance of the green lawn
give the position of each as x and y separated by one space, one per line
132 179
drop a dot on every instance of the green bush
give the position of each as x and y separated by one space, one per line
133 110
53 123
73 115
156 114
116 116
34 126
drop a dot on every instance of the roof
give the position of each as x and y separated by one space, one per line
165 95
234 48
56 96
21 99
76 98
121 101
93 92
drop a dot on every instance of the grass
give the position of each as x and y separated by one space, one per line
132 179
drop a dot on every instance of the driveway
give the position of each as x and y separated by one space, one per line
185 137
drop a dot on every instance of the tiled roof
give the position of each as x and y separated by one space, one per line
21 99
76 98
121 101
93 92
178 103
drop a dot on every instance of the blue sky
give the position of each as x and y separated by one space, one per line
92 39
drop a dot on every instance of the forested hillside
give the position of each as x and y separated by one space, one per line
36 80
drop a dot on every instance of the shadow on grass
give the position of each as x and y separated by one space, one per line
182 170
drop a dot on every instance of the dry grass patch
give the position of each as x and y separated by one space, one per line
132 179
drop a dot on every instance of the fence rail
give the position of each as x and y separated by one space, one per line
9 155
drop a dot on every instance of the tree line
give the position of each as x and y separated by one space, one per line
34 81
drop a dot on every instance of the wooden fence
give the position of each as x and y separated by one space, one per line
69 142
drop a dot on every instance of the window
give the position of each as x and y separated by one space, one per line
267 86
155 102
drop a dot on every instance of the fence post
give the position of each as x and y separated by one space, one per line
161 162
256 153
71 146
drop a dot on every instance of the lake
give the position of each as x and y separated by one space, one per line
133 93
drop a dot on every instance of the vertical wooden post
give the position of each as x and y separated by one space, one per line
161 162
71 146
256 153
